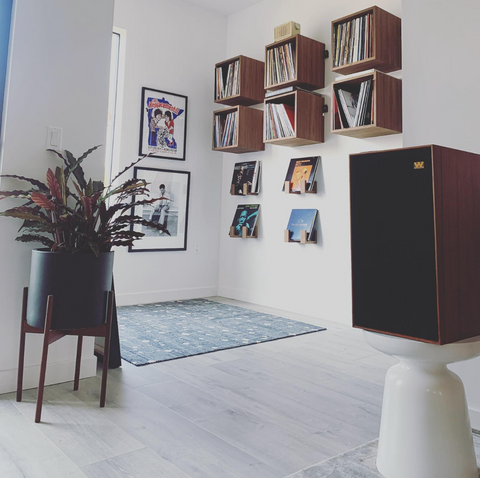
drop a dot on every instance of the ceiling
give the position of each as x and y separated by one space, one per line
224 7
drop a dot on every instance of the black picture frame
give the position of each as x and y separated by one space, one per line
163 135
171 211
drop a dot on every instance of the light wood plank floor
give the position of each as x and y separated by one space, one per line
261 411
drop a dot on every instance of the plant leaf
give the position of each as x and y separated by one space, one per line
94 198
39 184
54 186
66 171
79 191
122 243
123 221
87 206
128 167
86 153
127 234
89 188
60 176
22 213
15 194
126 186
35 238
76 169
42 201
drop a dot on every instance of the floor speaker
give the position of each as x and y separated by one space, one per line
415 239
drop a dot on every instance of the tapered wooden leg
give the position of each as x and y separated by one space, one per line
106 352
21 353
43 365
79 360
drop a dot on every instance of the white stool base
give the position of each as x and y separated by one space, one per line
425 429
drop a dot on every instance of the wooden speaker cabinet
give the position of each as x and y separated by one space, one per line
415 237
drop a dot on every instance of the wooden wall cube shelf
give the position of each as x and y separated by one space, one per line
387 43
303 188
309 63
309 120
415 237
251 74
387 106
244 233
250 127
303 237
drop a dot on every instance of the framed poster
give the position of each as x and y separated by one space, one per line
170 212
163 124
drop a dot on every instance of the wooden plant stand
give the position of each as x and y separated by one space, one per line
50 336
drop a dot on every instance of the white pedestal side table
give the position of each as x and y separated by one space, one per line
425 428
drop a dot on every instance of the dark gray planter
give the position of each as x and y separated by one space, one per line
79 284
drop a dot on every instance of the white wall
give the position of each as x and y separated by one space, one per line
441 103
311 279
173 46
58 76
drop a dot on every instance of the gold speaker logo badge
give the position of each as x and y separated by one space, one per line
419 165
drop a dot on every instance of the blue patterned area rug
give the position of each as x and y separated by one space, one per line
152 333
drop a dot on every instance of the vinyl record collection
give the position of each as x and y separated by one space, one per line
354 107
280 65
231 85
225 131
279 121
352 40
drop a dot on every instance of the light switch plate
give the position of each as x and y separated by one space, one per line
54 137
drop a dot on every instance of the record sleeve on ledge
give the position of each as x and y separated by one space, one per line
302 169
247 172
245 215
301 220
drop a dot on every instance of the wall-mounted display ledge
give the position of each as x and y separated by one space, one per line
370 38
237 130
294 119
368 110
295 61
244 233
303 237
239 81
303 188
246 190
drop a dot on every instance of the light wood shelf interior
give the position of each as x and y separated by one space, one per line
386 109
386 54
309 58
308 118
249 125
250 78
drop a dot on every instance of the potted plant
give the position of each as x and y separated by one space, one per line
78 222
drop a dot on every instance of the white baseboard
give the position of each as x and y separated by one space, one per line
57 372
239 294
165 295
254 298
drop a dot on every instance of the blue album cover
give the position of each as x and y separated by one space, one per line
245 215
301 220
